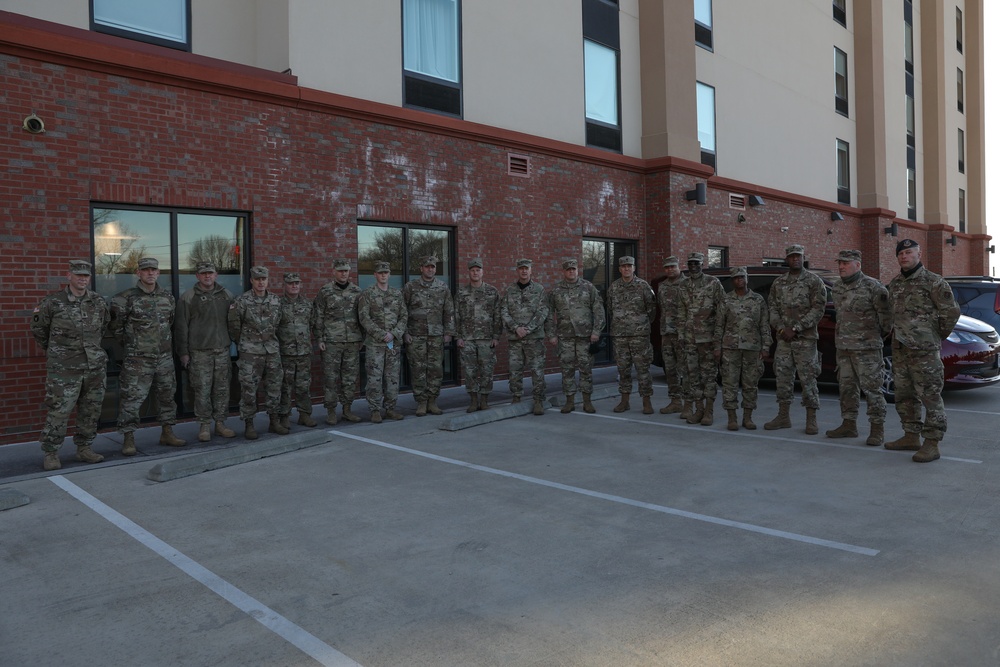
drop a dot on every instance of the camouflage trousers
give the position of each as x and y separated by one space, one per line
674 365
210 373
528 352
574 355
296 383
702 371
382 369
919 376
341 370
741 369
255 369
861 371
800 355
634 351
138 375
479 358
426 357
68 389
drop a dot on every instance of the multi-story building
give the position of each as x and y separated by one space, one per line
290 132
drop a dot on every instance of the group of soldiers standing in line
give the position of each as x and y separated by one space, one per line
703 330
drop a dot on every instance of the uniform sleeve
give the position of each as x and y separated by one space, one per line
235 321
505 318
883 310
402 315
41 322
540 318
449 314
119 315
318 315
497 320
721 318
774 306
598 310
764 326
817 305
649 300
181 325
948 310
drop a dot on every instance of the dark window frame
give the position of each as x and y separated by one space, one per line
141 37
961 151
841 102
960 89
840 12
703 34
959 30
601 26
843 168
428 93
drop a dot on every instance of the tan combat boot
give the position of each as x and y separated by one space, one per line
348 415
421 408
708 415
732 424
88 455
128 444
376 416
927 453
473 402
687 407
847 429
647 405
748 419
909 442
622 404
515 399
538 409
223 430
392 413
283 420
812 428
204 433
569 405
274 425
588 405
484 401
168 438
249 432
781 420
697 411
51 461
876 436
673 407
432 407
306 420
331 415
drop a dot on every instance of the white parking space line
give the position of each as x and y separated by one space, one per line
829 544
270 619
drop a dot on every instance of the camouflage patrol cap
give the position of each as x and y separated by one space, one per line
696 257
475 262
341 265
671 261
906 243
523 262
205 267
429 260
148 263
849 256
80 267
259 272
569 264
738 271
381 267
795 249
626 260
292 278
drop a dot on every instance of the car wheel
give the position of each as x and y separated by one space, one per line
888 379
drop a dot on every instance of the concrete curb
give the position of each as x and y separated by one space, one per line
470 419
194 464
11 498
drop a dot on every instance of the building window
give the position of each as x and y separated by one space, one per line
961 151
911 122
703 23
961 91
840 12
961 210
911 193
840 81
432 71
600 266
601 71
908 35
706 123
718 257
164 22
959 29
843 172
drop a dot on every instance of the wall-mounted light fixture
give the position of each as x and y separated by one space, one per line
755 200
829 231
741 218
992 248
699 195
33 124
837 216
891 230
952 240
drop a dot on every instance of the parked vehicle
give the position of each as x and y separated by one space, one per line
978 297
971 353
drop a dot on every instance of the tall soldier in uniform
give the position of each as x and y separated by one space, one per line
338 333
430 324
382 314
477 329
923 312
295 344
142 319
631 309
253 324
68 325
524 310
576 319
863 321
796 305
672 316
201 337
703 299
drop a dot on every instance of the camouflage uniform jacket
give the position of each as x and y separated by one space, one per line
863 315
631 307
477 313
742 323
430 309
673 311
253 323
295 325
923 309
703 299
143 321
524 307
201 322
797 301
381 312
70 329
575 310
335 314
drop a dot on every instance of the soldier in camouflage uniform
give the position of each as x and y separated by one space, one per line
295 344
703 298
68 325
796 304
631 309
477 330
142 320
429 327
382 314
201 338
339 334
253 325
524 311
672 316
576 319
923 312
863 321
743 333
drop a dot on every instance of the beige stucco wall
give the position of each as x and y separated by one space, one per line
75 14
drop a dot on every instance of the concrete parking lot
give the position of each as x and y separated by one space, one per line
569 540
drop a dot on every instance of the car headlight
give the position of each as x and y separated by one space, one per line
957 336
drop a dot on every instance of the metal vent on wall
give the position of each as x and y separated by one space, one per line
518 165
739 202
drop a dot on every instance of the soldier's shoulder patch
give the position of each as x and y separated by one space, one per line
37 310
